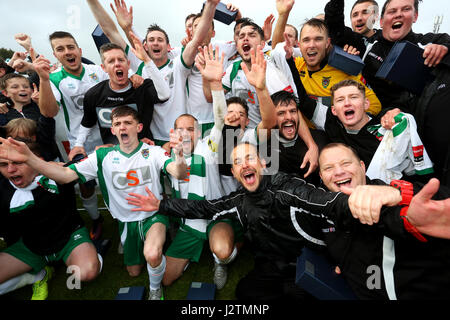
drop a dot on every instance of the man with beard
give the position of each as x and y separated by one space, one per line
61 96
235 83
281 214
279 110
285 140
316 75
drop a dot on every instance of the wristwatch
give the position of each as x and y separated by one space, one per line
406 191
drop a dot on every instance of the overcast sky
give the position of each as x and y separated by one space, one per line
40 18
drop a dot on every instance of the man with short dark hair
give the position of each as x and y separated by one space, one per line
175 70
101 99
364 15
235 83
316 75
347 121
61 96
397 18
42 225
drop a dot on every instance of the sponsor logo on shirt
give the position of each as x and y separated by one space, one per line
104 115
78 101
131 178
418 154
373 55
115 99
329 230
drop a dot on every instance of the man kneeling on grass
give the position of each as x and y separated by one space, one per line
130 166
40 223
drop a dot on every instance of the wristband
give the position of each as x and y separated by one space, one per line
406 191
409 227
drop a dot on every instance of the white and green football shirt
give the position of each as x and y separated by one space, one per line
120 173
236 84
69 93
203 181
197 105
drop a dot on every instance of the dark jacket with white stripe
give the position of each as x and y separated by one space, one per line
384 261
374 51
279 218
286 213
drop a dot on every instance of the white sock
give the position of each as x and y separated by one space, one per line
17 282
91 206
227 260
156 274
39 276
100 258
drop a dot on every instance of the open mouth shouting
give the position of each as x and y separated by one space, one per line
120 75
24 95
72 61
360 26
124 137
249 177
155 53
17 180
343 182
289 129
246 50
349 114
397 25
312 54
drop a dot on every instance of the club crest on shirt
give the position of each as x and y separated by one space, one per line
326 82
93 76
145 153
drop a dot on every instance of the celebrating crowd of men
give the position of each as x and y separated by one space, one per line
230 143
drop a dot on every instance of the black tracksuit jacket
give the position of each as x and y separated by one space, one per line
375 49
285 213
